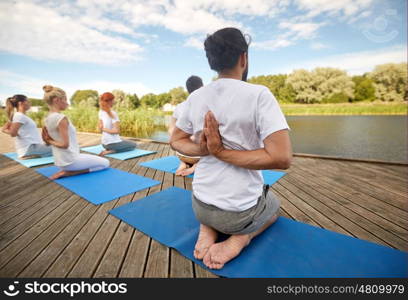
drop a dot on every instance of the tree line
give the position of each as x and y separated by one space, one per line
387 82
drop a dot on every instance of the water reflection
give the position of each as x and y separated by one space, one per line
364 137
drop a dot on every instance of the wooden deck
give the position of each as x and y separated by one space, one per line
47 231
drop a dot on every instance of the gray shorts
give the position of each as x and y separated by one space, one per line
241 222
122 146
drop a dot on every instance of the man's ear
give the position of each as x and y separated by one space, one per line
243 60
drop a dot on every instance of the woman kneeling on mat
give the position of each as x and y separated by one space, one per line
61 135
28 141
109 125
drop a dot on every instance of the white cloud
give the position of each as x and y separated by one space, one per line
40 32
272 44
306 30
346 8
194 42
356 62
318 46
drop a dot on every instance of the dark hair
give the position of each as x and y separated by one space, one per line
12 103
224 47
193 82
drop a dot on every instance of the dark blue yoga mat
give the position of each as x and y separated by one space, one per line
102 186
33 162
121 155
286 249
170 164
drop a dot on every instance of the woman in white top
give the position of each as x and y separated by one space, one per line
28 141
61 135
109 125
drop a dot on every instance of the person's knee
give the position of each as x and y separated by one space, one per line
105 163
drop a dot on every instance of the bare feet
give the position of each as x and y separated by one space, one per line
181 168
30 157
188 171
221 253
103 153
63 173
206 238
58 175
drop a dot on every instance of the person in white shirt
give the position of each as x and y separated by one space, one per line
187 163
240 130
61 135
28 142
109 125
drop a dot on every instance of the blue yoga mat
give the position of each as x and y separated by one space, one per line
102 186
121 155
170 164
286 249
31 162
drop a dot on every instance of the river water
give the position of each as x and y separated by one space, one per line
361 137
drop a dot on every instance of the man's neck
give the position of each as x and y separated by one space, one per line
231 75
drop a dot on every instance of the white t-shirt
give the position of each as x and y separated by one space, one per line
62 157
247 114
27 133
179 109
109 138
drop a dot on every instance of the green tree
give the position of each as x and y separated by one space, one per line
85 98
364 89
148 100
390 81
120 99
277 86
321 85
178 95
38 102
163 99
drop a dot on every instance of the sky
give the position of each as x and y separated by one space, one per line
152 46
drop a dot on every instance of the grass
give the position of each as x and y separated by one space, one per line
136 123
362 108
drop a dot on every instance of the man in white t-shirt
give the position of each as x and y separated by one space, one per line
187 163
240 130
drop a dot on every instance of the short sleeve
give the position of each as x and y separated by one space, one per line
269 116
19 118
100 115
184 119
116 117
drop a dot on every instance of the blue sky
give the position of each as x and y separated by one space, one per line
153 46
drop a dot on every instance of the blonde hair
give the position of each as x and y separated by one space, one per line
12 103
51 92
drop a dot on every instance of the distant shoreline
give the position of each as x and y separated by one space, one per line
364 108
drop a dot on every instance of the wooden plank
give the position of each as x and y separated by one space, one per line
341 176
91 256
180 266
346 218
378 215
17 264
158 258
72 251
11 231
135 259
12 249
113 258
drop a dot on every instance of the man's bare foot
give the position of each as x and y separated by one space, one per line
221 253
188 171
58 175
206 238
105 152
181 168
